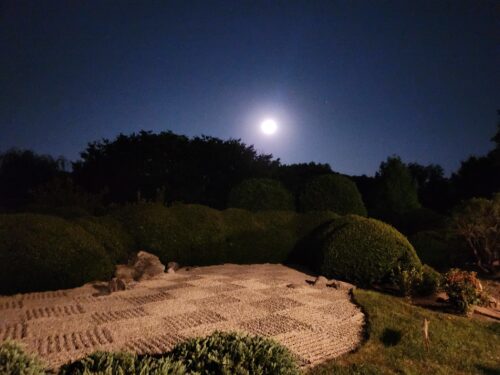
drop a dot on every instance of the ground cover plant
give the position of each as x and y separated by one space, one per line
394 343
14 361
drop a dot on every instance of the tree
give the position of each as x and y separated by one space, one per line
395 191
478 222
332 192
21 171
259 194
434 189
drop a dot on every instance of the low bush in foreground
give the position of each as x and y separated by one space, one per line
13 360
395 345
39 252
364 251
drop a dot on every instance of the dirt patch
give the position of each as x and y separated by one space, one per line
60 326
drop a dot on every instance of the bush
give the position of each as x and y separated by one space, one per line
463 289
111 234
364 251
103 363
232 353
13 360
40 252
332 192
260 194
418 220
188 234
430 282
440 249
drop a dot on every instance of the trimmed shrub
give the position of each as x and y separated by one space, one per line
463 289
39 252
188 234
111 234
232 353
440 249
13 360
364 251
260 194
104 363
332 192
430 283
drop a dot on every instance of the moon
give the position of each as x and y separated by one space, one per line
268 126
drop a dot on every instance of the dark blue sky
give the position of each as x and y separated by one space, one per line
349 82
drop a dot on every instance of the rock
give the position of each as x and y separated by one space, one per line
341 285
171 270
320 282
441 297
116 285
294 286
173 265
146 266
124 272
492 302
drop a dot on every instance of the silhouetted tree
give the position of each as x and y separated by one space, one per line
434 189
21 171
395 190
199 170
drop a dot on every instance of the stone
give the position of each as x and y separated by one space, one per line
441 297
320 282
173 265
492 302
124 272
146 266
115 285
341 285
294 286
171 270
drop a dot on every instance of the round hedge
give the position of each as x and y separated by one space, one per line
13 360
39 252
332 192
232 353
364 251
260 194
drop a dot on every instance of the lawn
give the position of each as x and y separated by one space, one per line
394 343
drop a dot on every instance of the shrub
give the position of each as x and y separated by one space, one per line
13 360
40 252
418 220
440 249
259 194
407 280
364 251
188 234
111 234
463 288
232 353
332 192
103 363
430 282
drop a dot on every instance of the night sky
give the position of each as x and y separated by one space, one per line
348 82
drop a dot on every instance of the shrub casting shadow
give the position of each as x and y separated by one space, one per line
390 337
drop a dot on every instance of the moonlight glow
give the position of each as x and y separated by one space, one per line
268 126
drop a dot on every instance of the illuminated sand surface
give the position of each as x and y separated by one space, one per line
316 324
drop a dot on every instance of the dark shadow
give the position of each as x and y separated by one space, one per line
488 370
390 337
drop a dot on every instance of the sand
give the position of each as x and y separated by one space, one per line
316 324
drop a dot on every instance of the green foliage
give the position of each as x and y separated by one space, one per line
396 192
232 353
431 281
440 249
14 361
39 252
260 194
111 234
463 289
407 280
354 369
364 251
332 192
419 220
477 222
104 363
457 345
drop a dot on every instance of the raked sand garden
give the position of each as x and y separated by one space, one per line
316 323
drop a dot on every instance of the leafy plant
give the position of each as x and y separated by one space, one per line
260 194
232 353
14 361
463 288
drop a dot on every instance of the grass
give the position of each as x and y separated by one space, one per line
394 343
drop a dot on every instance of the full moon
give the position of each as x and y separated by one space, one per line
268 126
